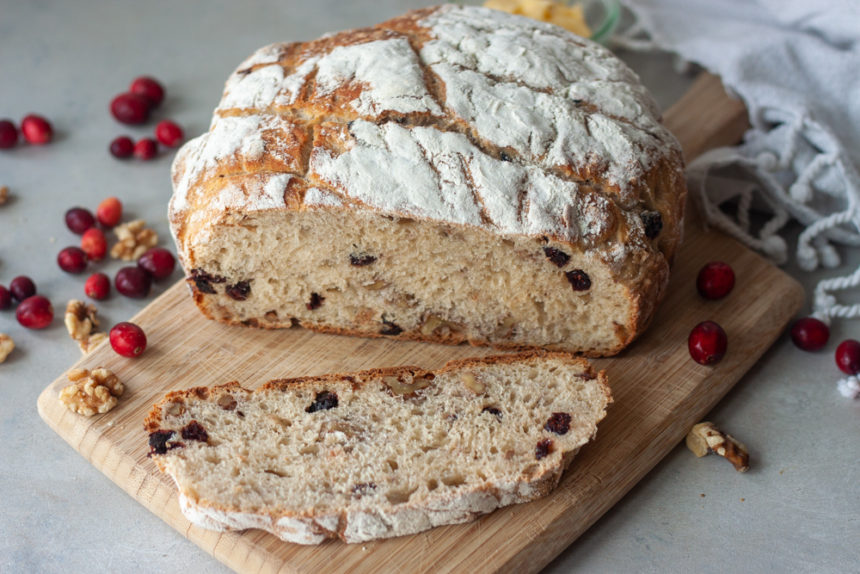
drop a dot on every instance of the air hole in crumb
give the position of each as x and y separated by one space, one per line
399 496
323 401
455 480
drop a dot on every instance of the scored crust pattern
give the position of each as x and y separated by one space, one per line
458 114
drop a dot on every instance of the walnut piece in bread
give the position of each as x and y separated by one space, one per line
358 457
455 174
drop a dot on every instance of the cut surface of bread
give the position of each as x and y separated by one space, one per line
455 174
379 453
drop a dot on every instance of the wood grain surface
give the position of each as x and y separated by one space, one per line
659 394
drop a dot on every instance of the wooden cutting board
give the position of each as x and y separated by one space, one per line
659 394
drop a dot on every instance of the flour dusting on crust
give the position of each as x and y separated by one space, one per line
463 115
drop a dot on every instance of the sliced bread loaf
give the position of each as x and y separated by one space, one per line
379 453
455 174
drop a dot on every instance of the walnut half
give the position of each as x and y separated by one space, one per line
134 240
91 392
81 322
705 438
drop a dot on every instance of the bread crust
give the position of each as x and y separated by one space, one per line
638 262
356 524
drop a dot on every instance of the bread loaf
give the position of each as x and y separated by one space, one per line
380 453
455 174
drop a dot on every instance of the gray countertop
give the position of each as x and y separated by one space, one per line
796 510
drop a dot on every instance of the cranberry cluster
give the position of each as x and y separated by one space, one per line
33 311
134 107
708 342
132 281
811 334
35 129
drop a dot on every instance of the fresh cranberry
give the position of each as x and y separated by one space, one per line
36 129
848 356
94 244
133 282
707 343
146 149
716 280
122 147
72 260
97 286
22 287
8 134
130 108
158 262
169 133
35 312
127 339
78 220
149 88
109 212
5 298
810 334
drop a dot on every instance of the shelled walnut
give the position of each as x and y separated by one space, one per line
705 438
81 322
93 392
134 239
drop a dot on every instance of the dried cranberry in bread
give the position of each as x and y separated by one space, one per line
380 453
455 174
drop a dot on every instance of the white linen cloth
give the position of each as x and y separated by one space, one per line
796 66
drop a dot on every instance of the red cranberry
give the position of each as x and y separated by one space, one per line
79 220
145 149
8 134
97 286
810 334
149 88
128 339
716 280
94 244
109 212
5 298
848 356
168 133
158 262
133 282
130 108
72 260
122 147
35 312
707 343
36 129
22 287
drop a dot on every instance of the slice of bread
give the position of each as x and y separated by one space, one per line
378 453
